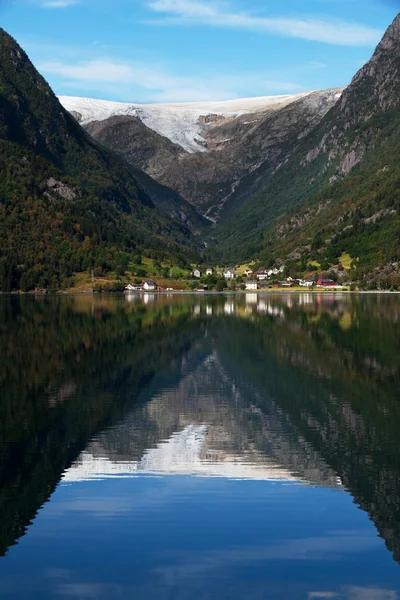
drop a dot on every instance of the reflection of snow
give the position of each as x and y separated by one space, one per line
185 453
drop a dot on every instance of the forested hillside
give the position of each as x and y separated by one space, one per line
65 203
340 191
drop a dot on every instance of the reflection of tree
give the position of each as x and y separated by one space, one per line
199 392
69 371
337 385
323 372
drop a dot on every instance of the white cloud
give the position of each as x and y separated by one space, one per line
329 31
318 64
132 80
59 3
95 71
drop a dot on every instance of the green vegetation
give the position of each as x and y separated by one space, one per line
339 193
66 205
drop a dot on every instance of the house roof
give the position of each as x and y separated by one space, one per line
149 282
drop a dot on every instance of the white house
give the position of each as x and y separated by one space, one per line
229 274
248 272
196 273
149 285
133 288
209 272
252 285
303 283
262 275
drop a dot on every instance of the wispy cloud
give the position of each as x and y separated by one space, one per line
158 84
91 71
317 64
59 3
329 31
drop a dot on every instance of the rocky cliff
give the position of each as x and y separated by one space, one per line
214 155
340 183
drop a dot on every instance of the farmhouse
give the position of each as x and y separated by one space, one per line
133 288
229 274
149 285
196 273
262 275
325 283
209 272
252 285
304 283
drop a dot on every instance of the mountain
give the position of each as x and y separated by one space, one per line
66 204
136 143
304 178
215 155
339 192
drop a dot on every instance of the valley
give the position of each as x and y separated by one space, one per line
300 180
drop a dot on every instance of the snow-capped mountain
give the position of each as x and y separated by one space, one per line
214 154
181 122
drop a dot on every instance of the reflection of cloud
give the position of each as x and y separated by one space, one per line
55 573
356 593
93 590
316 549
100 591
104 506
362 593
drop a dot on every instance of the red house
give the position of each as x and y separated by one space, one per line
325 282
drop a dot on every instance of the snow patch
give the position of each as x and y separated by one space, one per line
179 122
184 453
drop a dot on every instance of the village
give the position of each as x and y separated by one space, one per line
238 279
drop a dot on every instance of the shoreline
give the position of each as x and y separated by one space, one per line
194 293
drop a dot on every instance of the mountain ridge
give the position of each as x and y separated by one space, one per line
176 115
213 154
345 169
66 203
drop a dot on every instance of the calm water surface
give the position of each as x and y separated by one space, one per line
180 447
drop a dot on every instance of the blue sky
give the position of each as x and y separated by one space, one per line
172 50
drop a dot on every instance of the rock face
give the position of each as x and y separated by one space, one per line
245 163
345 136
359 134
214 155
58 187
73 197
244 152
140 146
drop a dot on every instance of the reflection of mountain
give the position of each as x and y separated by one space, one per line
336 381
303 387
199 419
71 367
256 386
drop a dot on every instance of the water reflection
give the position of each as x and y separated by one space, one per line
294 392
199 419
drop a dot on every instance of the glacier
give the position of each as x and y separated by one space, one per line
180 122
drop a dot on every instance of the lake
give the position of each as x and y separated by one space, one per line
200 446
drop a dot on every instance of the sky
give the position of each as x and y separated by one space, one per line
196 50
